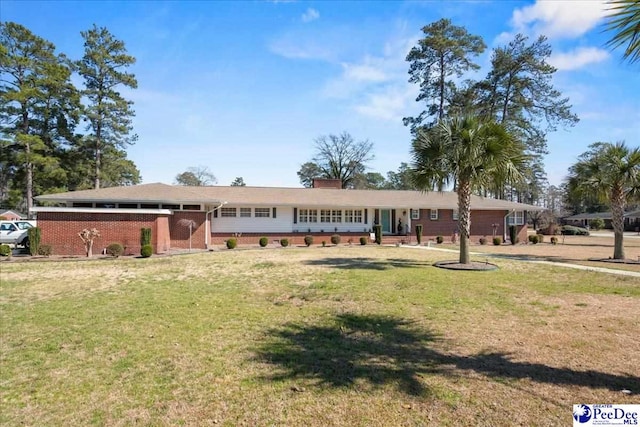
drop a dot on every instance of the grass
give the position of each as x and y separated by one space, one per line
339 336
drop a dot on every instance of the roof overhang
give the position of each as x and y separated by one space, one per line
102 210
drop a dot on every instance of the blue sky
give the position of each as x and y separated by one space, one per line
244 88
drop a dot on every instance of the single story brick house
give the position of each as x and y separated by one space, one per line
631 220
218 213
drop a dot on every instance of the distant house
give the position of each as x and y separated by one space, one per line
11 215
251 212
631 219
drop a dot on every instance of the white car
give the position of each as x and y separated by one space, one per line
13 233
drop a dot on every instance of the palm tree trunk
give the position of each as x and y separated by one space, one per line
617 220
464 219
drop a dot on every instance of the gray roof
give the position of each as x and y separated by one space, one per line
279 196
602 215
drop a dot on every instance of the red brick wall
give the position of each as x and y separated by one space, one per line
60 230
481 224
179 234
327 183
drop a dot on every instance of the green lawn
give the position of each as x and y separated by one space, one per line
311 336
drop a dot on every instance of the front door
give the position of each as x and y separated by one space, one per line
385 220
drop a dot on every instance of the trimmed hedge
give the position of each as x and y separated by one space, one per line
5 250
419 233
45 250
232 243
335 239
483 240
497 241
115 250
308 240
284 242
264 241
571 230
439 239
146 251
363 241
34 240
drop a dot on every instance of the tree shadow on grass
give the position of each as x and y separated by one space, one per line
384 350
361 263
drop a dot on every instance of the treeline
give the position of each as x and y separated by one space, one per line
55 136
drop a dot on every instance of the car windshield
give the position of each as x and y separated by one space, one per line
23 225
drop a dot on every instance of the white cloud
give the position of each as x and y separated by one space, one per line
389 104
310 15
578 58
364 72
559 19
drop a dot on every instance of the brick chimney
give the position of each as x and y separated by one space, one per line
327 183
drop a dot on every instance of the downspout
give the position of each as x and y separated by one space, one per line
504 220
207 235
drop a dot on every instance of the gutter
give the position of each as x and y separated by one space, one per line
207 232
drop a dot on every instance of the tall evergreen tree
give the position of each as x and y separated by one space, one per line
38 107
443 54
108 113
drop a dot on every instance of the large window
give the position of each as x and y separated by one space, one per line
263 212
228 212
245 212
336 215
515 218
415 214
325 215
351 215
308 215
433 214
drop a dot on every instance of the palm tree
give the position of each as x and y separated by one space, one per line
625 22
474 155
610 173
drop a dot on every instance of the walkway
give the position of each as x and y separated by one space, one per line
556 264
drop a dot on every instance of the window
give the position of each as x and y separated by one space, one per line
303 216
172 207
455 214
325 215
415 214
313 215
228 212
190 207
148 206
105 205
351 215
245 212
516 218
336 215
128 205
263 212
90 205
433 214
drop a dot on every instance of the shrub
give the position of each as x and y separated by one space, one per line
513 234
497 241
419 233
483 240
45 250
145 236
324 243
146 251
377 229
308 240
533 238
263 242
439 239
34 240
335 239
115 250
551 230
554 240
5 250
596 223
574 231
540 238
232 242
284 242
363 241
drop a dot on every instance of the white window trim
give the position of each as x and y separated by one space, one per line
263 213
433 217
415 214
515 218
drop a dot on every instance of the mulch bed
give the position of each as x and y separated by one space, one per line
472 266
